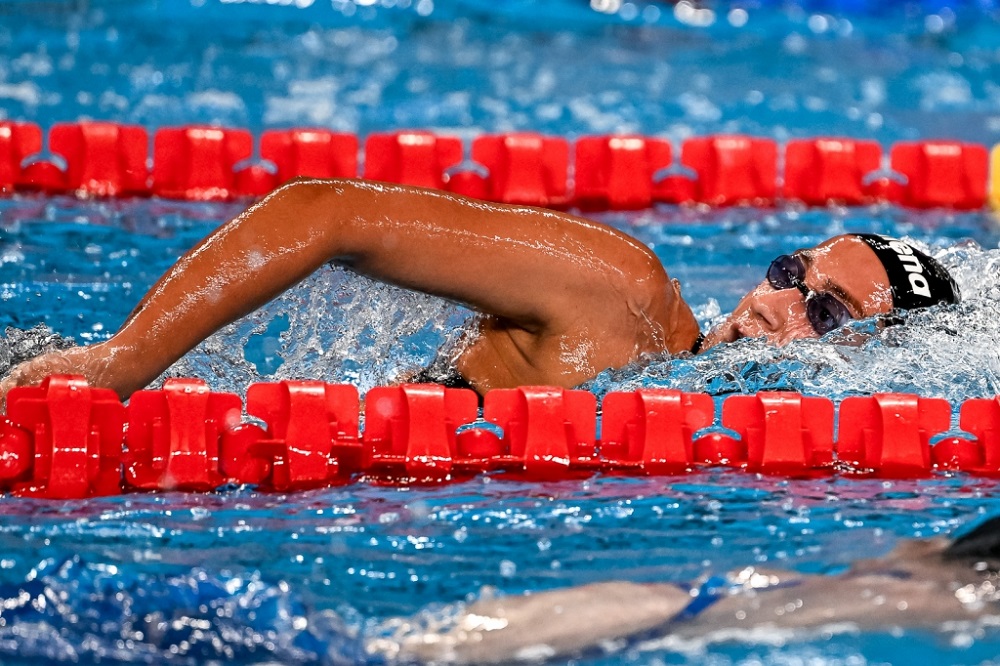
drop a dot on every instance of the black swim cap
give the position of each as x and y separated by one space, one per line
916 279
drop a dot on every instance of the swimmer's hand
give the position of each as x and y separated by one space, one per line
86 361
542 625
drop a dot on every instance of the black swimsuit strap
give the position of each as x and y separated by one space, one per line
982 543
698 342
449 377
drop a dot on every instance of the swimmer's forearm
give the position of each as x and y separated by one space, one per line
236 269
552 623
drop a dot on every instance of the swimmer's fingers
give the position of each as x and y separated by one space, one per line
74 361
18 376
6 384
25 374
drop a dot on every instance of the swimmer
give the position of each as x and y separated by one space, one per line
561 298
929 584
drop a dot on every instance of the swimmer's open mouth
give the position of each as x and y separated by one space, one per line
737 334
728 334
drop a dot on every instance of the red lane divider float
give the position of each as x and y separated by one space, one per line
18 142
821 171
199 163
74 435
174 434
92 159
315 153
65 439
652 431
102 159
940 173
728 170
981 418
620 172
411 158
311 428
782 432
411 431
891 433
524 168
547 432
593 172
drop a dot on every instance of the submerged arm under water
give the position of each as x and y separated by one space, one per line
911 587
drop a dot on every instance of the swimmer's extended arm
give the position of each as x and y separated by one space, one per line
541 626
543 272
910 587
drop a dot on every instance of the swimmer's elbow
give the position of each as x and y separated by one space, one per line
306 187
338 218
325 202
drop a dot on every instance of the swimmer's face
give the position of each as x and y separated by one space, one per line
843 269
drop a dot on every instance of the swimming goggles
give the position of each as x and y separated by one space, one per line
824 311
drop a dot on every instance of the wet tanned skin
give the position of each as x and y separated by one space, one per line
562 298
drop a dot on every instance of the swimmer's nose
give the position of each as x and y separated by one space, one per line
773 308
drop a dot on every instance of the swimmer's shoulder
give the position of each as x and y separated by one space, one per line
654 292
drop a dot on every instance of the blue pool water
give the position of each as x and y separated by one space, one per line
240 576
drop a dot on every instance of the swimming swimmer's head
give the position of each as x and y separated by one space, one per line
854 276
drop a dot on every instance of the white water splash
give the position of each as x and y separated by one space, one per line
337 327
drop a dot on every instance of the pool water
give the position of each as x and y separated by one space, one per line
291 578
239 576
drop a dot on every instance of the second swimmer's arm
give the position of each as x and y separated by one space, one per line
546 624
538 269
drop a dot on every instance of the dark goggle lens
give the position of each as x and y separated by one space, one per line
826 313
786 272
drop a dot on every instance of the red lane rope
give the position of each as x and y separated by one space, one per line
592 172
64 439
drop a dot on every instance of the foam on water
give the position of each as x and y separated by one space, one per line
335 326
17 345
